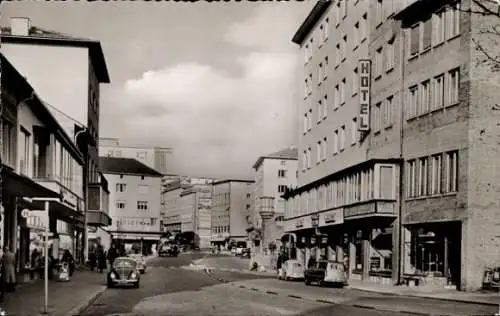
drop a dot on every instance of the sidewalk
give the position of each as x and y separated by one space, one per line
65 298
490 299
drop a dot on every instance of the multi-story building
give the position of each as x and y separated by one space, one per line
410 192
232 209
74 62
195 215
39 160
134 201
170 199
157 158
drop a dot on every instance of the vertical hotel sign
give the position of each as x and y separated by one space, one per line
364 67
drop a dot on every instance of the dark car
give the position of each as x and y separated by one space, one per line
124 272
316 273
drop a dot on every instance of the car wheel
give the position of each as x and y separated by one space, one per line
306 281
286 277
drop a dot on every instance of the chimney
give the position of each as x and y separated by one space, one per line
20 26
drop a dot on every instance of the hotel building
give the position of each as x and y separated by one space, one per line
397 171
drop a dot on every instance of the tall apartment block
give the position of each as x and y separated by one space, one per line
398 142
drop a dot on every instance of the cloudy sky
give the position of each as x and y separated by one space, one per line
215 81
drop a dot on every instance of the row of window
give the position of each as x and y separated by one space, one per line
433 94
383 114
385 59
141 188
429 175
141 205
442 25
136 221
339 145
220 229
374 182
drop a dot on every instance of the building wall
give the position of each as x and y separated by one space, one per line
134 219
187 209
171 208
337 115
204 217
220 210
241 200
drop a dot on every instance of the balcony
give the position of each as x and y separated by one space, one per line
371 210
98 208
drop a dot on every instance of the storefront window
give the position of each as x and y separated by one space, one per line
428 252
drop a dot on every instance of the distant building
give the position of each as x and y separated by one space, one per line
232 207
154 157
195 214
134 201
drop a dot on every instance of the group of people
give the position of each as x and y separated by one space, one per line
37 262
98 257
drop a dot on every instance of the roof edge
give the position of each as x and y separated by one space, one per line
310 21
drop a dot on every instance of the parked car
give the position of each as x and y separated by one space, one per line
123 272
291 270
141 262
325 272
245 253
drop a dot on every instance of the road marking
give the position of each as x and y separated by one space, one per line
271 292
363 306
295 296
325 301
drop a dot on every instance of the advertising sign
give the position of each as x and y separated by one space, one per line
364 68
333 217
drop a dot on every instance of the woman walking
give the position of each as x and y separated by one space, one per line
9 262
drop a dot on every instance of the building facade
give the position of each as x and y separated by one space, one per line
134 201
408 191
157 158
195 214
232 210
170 215
75 62
39 161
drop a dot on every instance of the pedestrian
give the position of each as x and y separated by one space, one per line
112 254
312 262
279 264
92 259
101 259
68 258
34 261
2 280
9 261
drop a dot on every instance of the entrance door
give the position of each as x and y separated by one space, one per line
454 258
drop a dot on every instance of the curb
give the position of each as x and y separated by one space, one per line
89 301
457 300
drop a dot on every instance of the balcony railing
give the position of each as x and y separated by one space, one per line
98 199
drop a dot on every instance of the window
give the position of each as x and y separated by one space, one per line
282 173
414 40
364 27
356 35
377 117
142 155
324 150
453 20
325 69
142 205
309 157
143 188
120 204
305 123
318 152
451 173
413 101
320 73
422 176
342 138
344 8
439 27
325 106
425 97
335 142
304 161
411 188
281 188
338 55
427 34
325 29
306 53
121 187
379 13
390 55
309 119
336 103
354 134
338 13
24 157
379 63
436 174
453 86
306 87
355 81
438 92
344 47
320 110
342 91
9 149
388 106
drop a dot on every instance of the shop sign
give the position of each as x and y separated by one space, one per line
333 217
299 223
69 198
364 67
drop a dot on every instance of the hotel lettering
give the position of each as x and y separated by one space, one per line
364 95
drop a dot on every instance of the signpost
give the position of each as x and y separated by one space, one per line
364 94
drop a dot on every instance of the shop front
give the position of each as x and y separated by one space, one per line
303 245
331 246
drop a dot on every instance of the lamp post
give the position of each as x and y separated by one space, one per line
267 214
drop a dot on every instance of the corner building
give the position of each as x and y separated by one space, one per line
414 196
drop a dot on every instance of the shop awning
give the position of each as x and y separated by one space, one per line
19 185
57 210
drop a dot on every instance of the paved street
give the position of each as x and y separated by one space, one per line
169 289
